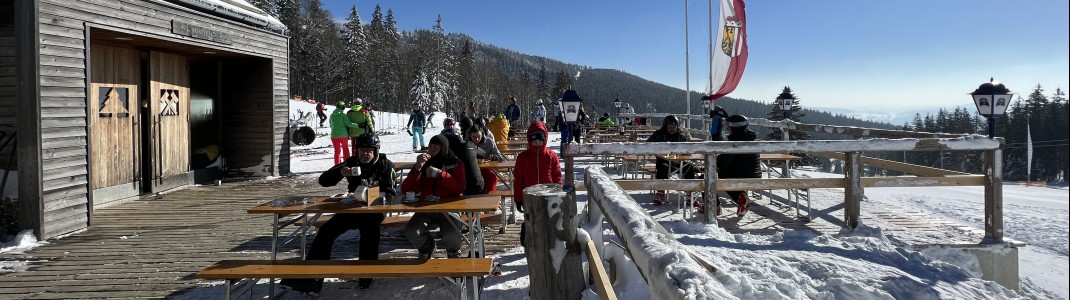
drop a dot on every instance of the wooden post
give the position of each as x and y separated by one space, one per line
994 194
552 250
852 189
709 198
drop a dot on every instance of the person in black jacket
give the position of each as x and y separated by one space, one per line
744 165
669 133
466 152
375 170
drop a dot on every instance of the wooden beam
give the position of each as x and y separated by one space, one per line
852 190
994 195
756 184
31 203
733 147
894 165
601 280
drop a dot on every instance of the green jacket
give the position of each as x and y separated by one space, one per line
360 117
606 122
340 123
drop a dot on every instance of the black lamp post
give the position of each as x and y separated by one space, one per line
991 99
785 101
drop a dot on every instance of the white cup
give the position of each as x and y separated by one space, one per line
410 196
355 171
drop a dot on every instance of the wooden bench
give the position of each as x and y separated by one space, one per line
469 269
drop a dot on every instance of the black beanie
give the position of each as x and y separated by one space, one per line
440 140
670 119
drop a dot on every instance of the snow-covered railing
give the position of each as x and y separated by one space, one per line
854 132
671 270
851 151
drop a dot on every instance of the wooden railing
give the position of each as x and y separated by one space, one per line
852 183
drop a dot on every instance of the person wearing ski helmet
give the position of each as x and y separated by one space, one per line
742 165
376 170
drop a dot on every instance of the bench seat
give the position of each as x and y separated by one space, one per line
383 268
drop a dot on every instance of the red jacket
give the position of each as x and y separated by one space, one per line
536 165
450 182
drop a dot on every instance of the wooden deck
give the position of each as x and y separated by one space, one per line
151 248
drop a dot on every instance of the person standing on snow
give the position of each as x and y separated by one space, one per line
416 122
357 114
340 129
512 112
540 112
321 111
535 165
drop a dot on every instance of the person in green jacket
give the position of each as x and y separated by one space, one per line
605 120
359 115
340 128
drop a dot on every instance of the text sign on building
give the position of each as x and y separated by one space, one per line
198 32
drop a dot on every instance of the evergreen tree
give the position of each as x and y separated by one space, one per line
795 115
356 48
394 89
466 73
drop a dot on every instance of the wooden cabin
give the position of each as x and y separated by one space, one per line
105 101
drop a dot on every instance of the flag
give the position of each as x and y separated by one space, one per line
730 57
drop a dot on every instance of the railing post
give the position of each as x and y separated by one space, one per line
709 198
994 194
852 189
551 247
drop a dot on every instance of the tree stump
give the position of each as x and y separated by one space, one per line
553 254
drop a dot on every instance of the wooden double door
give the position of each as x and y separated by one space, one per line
138 122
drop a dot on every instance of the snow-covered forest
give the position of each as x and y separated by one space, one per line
391 69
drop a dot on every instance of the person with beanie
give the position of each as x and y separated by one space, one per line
743 165
535 165
437 173
717 120
669 133
512 112
375 171
465 151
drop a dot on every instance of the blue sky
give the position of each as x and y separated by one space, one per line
860 55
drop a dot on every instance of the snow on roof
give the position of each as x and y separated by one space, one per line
237 9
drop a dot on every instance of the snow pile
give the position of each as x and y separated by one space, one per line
22 242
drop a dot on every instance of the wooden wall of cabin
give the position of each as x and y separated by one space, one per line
8 105
65 194
245 117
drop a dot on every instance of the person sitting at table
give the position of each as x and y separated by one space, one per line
436 173
465 151
486 149
669 133
375 170
499 126
743 165
605 120
535 165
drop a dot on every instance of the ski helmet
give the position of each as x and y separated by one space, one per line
737 121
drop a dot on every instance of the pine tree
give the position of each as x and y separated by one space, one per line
795 115
356 48
466 73
394 89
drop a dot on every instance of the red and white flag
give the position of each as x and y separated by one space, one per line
730 57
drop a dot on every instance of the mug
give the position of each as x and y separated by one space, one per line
410 196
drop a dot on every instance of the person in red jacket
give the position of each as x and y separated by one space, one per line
437 173
536 165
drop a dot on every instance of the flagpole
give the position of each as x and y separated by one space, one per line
710 84
687 67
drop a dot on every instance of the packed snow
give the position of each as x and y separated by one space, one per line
871 262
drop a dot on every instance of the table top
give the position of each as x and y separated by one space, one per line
405 165
324 204
513 143
778 156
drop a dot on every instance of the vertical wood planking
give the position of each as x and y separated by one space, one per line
112 147
170 75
